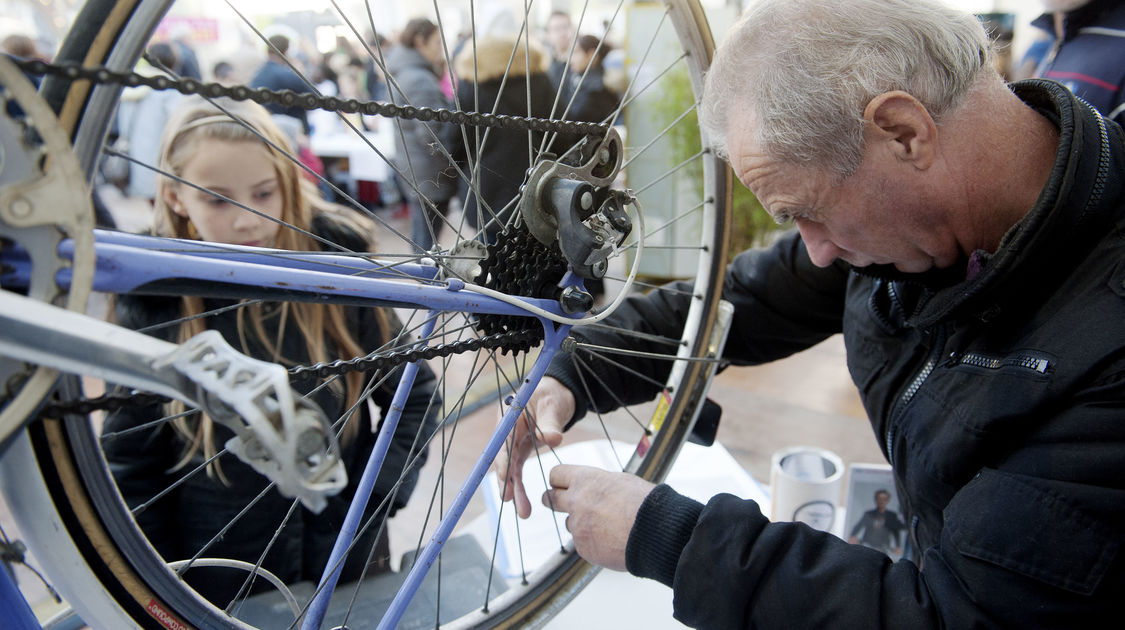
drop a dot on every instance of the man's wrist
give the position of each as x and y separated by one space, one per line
663 526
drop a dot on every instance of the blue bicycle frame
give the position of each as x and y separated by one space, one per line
127 263
15 614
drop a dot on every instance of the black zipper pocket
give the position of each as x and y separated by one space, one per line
1027 361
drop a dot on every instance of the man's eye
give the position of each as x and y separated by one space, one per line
783 217
791 216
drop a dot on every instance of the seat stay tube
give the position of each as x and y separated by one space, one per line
15 613
553 338
319 605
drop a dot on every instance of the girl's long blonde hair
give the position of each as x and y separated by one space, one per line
199 120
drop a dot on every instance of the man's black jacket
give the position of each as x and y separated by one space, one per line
998 399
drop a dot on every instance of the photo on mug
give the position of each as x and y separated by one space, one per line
873 516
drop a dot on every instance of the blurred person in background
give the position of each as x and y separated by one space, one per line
275 74
504 155
593 100
20 46
423 150
140 121
188 62
374 58
1084 49
559 35
223 73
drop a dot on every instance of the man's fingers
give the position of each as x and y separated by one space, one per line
522 502
551 438
540 425
508 464
561 476
509 467
548 427
547 430
556 499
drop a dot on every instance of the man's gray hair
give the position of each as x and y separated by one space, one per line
806 69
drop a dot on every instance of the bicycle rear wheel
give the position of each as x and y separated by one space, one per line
684 190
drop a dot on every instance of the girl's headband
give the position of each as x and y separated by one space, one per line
206 120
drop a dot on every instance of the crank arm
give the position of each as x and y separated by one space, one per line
279 434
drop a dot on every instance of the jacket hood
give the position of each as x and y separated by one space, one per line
491 57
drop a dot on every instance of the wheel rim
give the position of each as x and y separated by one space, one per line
565 576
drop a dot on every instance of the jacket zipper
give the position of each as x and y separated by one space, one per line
910 391
1103 159
905 399
913 534
1030 362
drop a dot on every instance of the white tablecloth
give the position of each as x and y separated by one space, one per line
367 153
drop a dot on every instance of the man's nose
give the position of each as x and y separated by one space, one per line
822 250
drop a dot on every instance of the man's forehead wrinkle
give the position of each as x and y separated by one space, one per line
763 173
754 167
772 180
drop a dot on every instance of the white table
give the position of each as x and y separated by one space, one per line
367 153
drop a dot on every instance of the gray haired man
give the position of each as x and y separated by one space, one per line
967 238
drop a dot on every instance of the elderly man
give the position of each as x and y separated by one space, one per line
966 238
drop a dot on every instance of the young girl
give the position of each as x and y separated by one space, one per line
205 146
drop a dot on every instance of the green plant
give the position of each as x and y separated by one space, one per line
750 225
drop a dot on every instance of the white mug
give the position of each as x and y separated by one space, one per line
805 484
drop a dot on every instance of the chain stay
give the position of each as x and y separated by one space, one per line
391 360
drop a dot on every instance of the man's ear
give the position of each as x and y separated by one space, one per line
901 120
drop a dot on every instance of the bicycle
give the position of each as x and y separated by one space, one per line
472 312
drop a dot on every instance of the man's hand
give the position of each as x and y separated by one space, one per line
602 506
548 410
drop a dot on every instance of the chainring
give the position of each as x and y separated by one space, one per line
43 201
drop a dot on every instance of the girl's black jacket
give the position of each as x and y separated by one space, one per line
182 522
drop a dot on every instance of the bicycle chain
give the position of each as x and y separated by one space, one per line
308 101
394 359
514 340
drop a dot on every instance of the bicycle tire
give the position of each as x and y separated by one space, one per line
77 487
